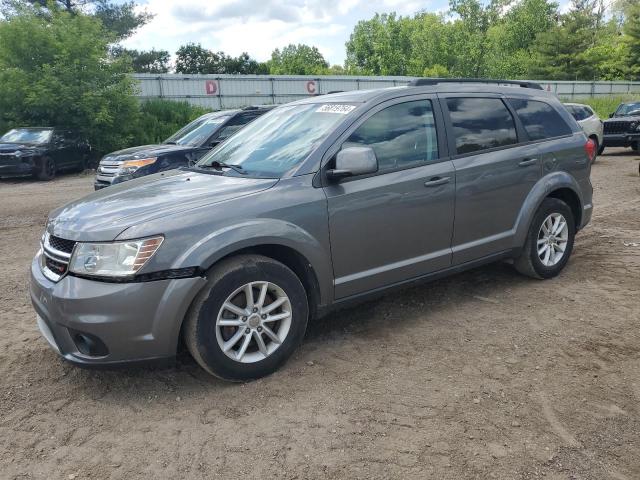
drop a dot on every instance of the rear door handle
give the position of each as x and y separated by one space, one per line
528 161
434 182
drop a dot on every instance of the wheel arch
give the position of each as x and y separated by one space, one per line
558 185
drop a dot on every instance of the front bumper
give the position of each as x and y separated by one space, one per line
103 181
621 139
137 322
16 167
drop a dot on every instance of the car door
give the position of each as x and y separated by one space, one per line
62 150
494 173
396 224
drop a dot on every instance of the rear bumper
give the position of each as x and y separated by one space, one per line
621 140
134 322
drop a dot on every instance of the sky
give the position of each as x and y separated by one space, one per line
259 26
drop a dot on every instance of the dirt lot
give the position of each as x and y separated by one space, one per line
484 375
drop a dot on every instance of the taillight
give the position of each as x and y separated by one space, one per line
591 149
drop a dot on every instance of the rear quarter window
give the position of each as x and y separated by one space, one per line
540 120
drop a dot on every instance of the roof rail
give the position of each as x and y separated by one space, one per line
421 82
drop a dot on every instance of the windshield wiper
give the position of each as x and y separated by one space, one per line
220 165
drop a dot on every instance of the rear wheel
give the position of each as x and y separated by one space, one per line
635 146
598 148
248 320
601 149
549 241
46 169
82 165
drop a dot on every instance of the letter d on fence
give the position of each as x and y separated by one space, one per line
211 87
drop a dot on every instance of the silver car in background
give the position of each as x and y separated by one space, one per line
590 123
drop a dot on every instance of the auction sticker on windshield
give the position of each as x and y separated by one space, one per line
336 108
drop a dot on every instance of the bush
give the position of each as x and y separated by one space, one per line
158 119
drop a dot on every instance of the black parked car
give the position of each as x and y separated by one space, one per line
183 148
622 129
42 152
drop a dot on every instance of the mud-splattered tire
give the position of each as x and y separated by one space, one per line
248 319
549 244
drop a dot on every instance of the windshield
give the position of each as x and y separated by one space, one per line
627 108
35 136
198 131
279 140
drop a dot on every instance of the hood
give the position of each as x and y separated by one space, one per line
626 118
145 151
103 215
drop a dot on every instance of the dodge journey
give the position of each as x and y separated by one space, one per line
316 204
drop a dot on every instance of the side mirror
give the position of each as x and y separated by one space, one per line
611 115
354 161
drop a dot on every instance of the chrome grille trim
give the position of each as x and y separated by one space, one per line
55 255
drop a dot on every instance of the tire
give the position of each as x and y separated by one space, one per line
635 146
46 169
601 149
226 284
595 157
530 262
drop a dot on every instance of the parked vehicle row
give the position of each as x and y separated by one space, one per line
183 148
622 129
42 152
314 205
590 123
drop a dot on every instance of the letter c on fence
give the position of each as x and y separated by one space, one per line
211 87
311 87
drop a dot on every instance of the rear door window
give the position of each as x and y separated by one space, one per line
481 124
540 119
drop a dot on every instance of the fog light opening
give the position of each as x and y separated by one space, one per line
89 345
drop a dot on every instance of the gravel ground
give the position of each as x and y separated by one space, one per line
486 374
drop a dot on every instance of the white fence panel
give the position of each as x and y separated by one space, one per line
233 91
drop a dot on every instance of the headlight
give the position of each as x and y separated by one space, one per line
17 153
130 166
113 259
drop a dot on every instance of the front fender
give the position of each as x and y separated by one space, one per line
259 232
541 190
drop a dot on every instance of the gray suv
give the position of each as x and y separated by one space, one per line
316 204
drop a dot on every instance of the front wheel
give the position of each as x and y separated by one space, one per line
248 320
549 242
45 169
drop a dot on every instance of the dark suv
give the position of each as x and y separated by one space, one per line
42 152
185 147
622 129
316 204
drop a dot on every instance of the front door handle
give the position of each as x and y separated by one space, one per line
528 161
435 181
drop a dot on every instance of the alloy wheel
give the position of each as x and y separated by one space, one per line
253 322
553 237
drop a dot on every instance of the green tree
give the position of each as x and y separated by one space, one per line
55 70
194 58
632 31
297 60
380 46
145 61
120 18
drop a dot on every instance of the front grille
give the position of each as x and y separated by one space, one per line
56 254
616 127
61 244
